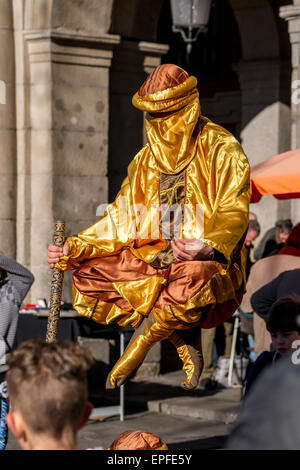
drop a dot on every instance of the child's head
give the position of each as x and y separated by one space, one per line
47 389
282 323
138 440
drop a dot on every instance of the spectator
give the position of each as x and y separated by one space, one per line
283 285
264 271
246 326
274 239
138 440
47 389
208 336
252 216
269 418
207 382
252 233
284 329
15 282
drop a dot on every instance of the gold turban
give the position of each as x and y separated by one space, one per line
125 268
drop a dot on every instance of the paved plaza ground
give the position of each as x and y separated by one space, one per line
185 420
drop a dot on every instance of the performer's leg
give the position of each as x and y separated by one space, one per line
228 329
188 347
186 342
117 289
208 337
146 335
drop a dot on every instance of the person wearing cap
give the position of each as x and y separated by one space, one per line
167 273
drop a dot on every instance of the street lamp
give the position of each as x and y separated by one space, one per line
189 15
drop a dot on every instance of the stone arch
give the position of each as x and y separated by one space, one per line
265 81
265 67
261 14
212 60
135 19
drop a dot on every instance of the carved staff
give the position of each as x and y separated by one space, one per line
56 287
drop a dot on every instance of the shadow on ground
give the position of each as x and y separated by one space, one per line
139 393
210 443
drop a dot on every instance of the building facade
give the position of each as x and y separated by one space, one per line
68 130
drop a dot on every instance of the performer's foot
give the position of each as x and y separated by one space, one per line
146 335
208 384
188 346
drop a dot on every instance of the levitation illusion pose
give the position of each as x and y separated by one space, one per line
167 256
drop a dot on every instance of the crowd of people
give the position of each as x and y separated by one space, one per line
271 306
271 273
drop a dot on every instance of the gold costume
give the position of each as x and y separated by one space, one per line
125 271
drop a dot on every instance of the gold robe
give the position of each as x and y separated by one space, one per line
181 295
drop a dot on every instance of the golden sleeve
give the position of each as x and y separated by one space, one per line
230 191
115 229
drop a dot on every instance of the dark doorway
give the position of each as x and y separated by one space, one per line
213 54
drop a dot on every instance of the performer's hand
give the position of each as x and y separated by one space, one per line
191 250
55 253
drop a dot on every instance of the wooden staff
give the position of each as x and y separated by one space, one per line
56 286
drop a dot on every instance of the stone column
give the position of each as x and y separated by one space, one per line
265 126
291 14
69 104
22 137
7 133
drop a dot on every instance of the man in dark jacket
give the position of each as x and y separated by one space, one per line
285 284
269 418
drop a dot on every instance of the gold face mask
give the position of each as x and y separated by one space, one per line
171 136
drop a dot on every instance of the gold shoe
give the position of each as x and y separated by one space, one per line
188 347
146 335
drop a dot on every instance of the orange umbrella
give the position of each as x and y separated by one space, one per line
278 175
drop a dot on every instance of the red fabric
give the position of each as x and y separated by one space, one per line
289 250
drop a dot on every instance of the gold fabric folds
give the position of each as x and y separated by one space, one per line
216 180
138 440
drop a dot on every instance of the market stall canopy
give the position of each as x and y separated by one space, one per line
278 175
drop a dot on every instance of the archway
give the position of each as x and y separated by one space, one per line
212 61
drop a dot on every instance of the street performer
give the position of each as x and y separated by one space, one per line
167 256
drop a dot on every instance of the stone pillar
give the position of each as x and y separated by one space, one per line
22 137
265 126
291 14
69 104
132 63
7 133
